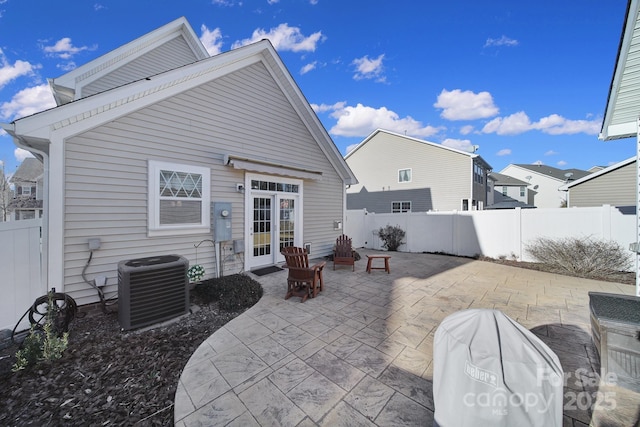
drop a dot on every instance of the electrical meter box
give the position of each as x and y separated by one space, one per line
221 214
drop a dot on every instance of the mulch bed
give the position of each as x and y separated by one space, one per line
108 376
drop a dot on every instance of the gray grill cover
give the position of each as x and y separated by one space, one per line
490 371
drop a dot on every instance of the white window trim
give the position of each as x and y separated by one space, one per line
154 227
410 175
400 203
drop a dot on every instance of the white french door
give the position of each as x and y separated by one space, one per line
273 219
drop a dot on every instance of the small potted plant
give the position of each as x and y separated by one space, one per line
195 273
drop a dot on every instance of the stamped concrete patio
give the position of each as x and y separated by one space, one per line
360 354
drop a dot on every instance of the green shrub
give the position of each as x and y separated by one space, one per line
391 237
584 257
42 344
235 292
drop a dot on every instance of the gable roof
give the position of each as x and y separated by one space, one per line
623 109
29 171
551 172
599 173
36 132
69 86
501 179
432 144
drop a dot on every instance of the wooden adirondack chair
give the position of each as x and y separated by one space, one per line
303 281
343 253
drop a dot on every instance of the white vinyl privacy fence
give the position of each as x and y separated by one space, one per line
493 233
20 270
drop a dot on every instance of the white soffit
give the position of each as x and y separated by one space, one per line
623 105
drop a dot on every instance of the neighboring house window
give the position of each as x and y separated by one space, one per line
400 207
179 198
26 191
404 175
522 191
478 174
504 190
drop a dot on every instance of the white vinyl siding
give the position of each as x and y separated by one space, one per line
170 55
615 188
446 175
244 114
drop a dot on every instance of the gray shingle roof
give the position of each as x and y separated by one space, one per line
28 171
501 179
555 172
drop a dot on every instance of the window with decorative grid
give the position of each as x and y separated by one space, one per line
179 198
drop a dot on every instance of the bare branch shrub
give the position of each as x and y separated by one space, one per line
584 257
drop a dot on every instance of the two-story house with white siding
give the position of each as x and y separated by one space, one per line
545 182
27 181
156 148
614 185
509 192
397 173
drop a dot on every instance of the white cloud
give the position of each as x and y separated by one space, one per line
369 68
68 66
227 3
466 130
538 163
459 144
502 41
284 38
10 72
64 49
273 1
554 124
323 108
550 153
28 101
309 67
21 154
211 39
561 163
504 152
98 6
313 2
360 121
459 105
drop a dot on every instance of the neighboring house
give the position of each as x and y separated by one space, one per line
615 186
156 148
508 193
397 173
623 102
27 193
544 181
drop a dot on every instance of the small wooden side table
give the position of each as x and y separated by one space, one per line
386 263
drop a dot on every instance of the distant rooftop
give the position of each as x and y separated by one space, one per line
29 171
556 173
501 179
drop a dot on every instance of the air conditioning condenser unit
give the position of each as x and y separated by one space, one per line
152 290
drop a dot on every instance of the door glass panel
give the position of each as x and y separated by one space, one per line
261 226
287 222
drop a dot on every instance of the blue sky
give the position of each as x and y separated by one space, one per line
525 81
